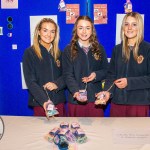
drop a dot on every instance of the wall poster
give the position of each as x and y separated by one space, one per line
100 14
72 13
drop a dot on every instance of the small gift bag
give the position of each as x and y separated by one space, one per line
75 126
100 99
80 136
65 140
64 125
50 136
83 94
51 110
61 140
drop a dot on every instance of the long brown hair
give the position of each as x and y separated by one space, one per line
139 37
93 39
36 47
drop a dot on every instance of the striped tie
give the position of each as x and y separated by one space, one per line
85 49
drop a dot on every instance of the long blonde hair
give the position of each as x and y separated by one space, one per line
93 39
139 37
55 42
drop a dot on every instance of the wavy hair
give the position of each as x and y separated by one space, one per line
139 37
93 39
55 42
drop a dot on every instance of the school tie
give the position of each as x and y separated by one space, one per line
85 49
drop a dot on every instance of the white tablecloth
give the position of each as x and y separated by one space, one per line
27 133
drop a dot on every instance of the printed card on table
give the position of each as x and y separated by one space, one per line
100 14
72 13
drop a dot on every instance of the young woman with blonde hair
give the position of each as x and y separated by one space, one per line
129 72
42 69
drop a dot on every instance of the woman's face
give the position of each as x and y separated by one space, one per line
130 28
84 30
47 34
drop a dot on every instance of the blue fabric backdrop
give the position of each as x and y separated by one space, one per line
13 99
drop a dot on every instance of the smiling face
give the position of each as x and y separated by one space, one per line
84 31
47 34
131 28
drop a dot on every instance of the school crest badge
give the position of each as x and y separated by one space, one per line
96 56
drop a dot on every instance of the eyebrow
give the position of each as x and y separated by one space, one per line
131 22
83 26
49 30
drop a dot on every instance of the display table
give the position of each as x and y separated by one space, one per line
27 133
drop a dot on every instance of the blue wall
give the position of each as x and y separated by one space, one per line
13 99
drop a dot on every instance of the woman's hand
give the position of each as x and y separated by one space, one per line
91 77
50 86
121 83
50 109
102 97
77 97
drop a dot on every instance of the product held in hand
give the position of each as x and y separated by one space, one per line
100 100
51 110
83 95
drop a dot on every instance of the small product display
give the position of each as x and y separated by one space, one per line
52 134
62 6
128 6
80 136
74 126
64 137
100 100
51 109
83 95
61 140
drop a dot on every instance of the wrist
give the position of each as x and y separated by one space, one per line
94 74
